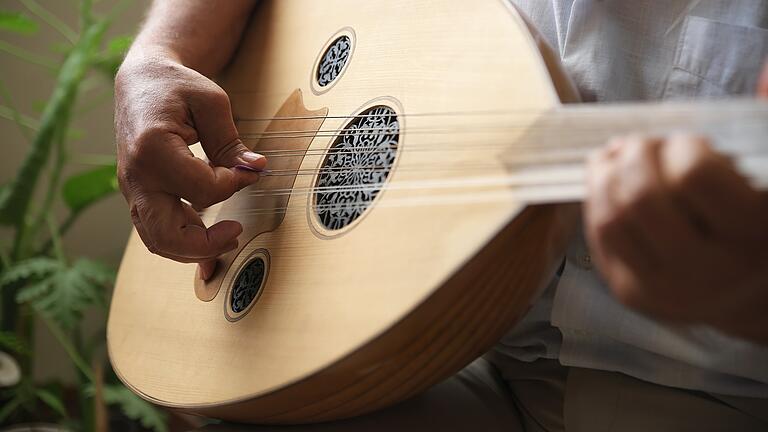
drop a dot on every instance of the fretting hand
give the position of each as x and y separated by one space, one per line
679 234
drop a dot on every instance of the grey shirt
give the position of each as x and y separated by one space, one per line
620 50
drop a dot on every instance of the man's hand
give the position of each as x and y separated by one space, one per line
163 107
679 234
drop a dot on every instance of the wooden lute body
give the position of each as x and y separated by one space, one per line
392 240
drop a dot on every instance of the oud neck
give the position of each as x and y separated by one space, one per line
556 146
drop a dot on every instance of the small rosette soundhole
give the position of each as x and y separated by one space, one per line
333 60
356 167
248 285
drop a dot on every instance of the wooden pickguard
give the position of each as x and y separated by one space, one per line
239 206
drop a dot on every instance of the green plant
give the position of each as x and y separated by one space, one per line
39 283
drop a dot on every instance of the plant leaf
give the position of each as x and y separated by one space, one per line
16 22
33 268
86 188
135 408
110 60
63 295
119 45
96 271
14 207
53 401
11 342
72 293
20 398
9 408
35 290
38 106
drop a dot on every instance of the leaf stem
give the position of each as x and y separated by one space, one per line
11 114
15 205
8 409
86 14
56 240
93 159
63 228
54 179
50 19
79 362
28 56
14 112
96 102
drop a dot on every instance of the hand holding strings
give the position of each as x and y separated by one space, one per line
678 234
163 107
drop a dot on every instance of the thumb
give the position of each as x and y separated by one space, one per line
212 116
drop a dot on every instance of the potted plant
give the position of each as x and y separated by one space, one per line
40 283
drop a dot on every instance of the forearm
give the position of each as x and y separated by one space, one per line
200 34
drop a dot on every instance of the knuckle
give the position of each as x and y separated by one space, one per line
217 94
700 144
228 151
205 199
641 198
142 150
145 236
606 228
213 189
162 243
694 175
126 179
692 161
211 94
647 147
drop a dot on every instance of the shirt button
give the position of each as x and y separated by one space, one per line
586 262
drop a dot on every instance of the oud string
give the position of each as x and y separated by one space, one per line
469 129
540 149
506 196
731 106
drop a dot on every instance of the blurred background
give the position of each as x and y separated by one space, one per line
63 226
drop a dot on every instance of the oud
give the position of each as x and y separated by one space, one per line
421 158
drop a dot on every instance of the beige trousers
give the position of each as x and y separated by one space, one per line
498 393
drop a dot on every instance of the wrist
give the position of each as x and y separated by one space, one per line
141 53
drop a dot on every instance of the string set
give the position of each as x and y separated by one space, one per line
548 170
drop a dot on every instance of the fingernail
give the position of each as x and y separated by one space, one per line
206 270
251 156
247 168
201 273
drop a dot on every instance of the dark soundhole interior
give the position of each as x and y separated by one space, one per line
248 285
356 167
333 61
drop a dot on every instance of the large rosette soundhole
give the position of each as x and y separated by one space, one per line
356 167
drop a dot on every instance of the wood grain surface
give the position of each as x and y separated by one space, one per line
410 294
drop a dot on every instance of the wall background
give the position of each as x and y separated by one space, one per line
103 229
